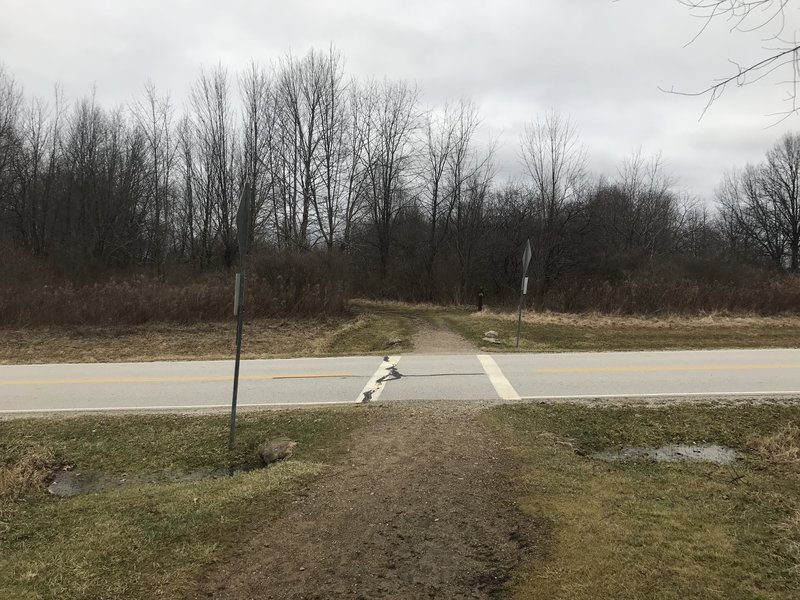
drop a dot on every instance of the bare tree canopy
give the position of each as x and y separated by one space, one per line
555 161
780 45
359 184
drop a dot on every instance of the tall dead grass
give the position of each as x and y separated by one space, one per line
781 447
274 288
788 533
28 473
765 294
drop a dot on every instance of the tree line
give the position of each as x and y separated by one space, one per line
404 199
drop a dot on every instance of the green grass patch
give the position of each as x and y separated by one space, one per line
152 540
647 530
374 332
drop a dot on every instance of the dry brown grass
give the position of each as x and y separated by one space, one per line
596 320
781 447
788 533
762 293
558 332
263 338
140 299
29 472
34 293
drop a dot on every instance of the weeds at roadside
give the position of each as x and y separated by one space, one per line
781 447
26 473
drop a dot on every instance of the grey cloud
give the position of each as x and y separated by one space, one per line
601 62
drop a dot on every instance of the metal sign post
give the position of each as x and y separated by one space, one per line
243 228
523 288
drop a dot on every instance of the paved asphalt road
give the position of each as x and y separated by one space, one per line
207 384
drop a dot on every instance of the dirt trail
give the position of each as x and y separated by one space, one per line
437 340
421 507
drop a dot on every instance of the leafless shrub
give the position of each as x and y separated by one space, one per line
776 294
287 286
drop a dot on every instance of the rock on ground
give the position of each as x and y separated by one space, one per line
276 449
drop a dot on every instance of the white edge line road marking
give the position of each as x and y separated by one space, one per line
163 408
373 389
501 385
663 395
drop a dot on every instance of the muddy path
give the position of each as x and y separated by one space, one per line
420 507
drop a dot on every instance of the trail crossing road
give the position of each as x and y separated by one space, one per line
318 381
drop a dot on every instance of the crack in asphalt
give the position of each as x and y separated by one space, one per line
390 376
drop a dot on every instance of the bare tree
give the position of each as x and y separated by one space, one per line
10 102
651 214
335 157
469 225
555 162
450 163
763 202
214 137
259 132
436 199
354 171
749 214
745 16
301 90
153 115
186 210
391 119
34 168
781 184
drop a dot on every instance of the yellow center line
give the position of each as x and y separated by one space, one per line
171 379
662 369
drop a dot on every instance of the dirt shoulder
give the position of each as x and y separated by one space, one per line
421 507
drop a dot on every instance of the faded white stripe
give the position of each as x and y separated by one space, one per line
501 385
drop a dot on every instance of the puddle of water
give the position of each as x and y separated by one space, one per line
75 482
670 453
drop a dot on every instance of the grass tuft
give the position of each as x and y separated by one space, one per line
781 447
26 473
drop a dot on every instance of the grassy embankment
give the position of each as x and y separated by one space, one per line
383 327
152 540
647 530
366 333
551 332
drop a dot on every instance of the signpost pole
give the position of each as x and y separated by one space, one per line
519 316
243 226
523 288
239 324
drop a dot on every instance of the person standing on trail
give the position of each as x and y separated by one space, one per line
480 299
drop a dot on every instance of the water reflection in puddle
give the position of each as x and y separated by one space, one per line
670 453
66 483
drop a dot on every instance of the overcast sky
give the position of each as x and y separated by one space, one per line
598 61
